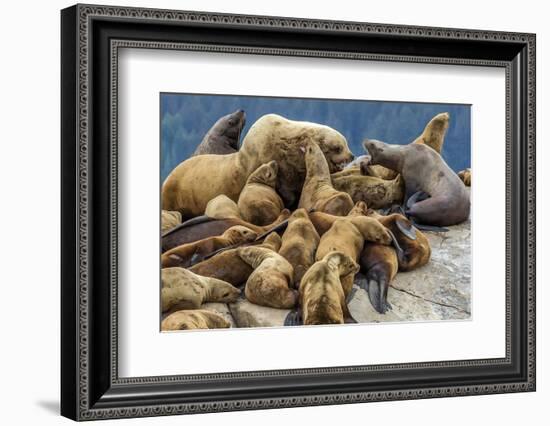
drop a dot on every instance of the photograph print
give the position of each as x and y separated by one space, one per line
284 212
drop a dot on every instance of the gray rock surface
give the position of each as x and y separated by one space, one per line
222 309
248 314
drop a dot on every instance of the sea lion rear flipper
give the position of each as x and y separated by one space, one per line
430 228
294 318
406 228
378 290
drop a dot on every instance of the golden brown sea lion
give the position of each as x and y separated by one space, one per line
193 320
299 244
199 179
169 220
323 221
376 192
318 193
258 202
446 200
188 254
223 137
228 265
379 264
269 284
416 250
321 294
348 235
466 176
184 289
204 227
222 207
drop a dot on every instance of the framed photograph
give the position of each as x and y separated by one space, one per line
263 212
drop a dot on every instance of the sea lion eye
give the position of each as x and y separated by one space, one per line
231 122
338 149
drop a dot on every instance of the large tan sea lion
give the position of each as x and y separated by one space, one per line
425 172
269 284
223 137
184 289
258 202
318 193
199 179
322 297
228 265
196 319
299 244
222 207
188 254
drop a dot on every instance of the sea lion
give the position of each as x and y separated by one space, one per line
199 179
228 265
222 207
323 221
204 227
169 220
425 171
379 264
193 320
188 254
299 244
321 294
348 235
416 250
269 284
466 176
318 192
223 136
184 289
258 202
376 192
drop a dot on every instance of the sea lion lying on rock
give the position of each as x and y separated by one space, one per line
199 179
466 177
425 172
269 284
193 320
259 203
321 294
299 244
318 193
376 192
184 289
223 136
222 207
188 254
348 235
379 264
169 220
204 227
228 265
323 221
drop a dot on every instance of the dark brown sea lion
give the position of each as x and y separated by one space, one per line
318 193
466 177
188 254
299 244
425 171
321 294
269 284
204 227
376 192
193 320
379 264
223 136
228 265
258 202
199 179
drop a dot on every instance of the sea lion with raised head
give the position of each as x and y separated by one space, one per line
188 254
223 137
195 319
197 180
299 244
269 284
318 193
322 297
228 265
183 289
258 202
222 207
447 200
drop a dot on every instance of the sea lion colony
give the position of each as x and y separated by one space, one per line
288 221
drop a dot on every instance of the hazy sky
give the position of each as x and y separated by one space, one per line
185 119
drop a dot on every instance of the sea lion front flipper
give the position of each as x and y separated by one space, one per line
406 228
294 318
398 249
416 198
378 290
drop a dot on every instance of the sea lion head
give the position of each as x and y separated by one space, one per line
273 242
240 234
298 214
334 146
224 292
230 126
265 174
359 209
372 230
384 154
341 262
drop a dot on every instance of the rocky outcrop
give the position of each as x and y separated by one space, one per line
248 314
